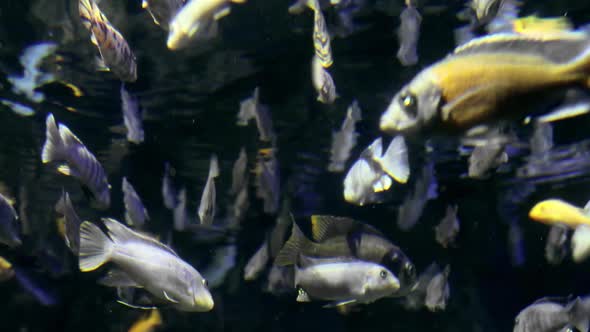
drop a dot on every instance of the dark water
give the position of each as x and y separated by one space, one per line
191 98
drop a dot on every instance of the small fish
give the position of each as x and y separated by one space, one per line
257 262
169 193
490 78
162 11
546 316
344 141
416 298
425 189
194 17
408 34
33 77
438 291
321 36
114 50
179 212
131 117
322 82
71 223
447 230
343 281
267 182
6 270
556 211
555 247
9 227
144 262
485 10
251 108
135 213
18 108
580 243
207 206
63 146
487 156
239 172
147 323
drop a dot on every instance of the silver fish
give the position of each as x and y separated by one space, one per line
207 206
62 145
18 108
416 298
408 34
9 228
545 316
146 262
162 11
131 117
32 77
135 213
72 222
438 291
425 188
257 262
555 247
447 230
487 156
239 172
268 182
180 217
250 108
485 10
581 243
169 193
344 140
322 82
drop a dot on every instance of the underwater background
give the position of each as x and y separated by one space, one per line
190 100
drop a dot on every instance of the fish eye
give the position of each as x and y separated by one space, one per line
383 274
409 103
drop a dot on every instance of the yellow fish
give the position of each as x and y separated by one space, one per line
533 25
497 76
114 50
552 211
148 323
6 271
321 37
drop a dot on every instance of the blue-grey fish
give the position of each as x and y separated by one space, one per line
344 140
486 156
239 172
131 116
250 108
425 188
408 34
146 263
547 316
322 82
447 230
32 77
71 222
9 228
438 291
180 217
416 298
555 245
257 262
62 145
169 193
267 181
207 206
135 213
114 50
580 243
223 260
162 11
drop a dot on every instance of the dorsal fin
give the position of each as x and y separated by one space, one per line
324 227
119 233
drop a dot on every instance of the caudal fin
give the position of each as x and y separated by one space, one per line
395 160
54 147
95 247
293 247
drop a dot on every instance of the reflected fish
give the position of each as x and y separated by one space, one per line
162 11
344 140
580 243
251 108
71 223
447 230
9 227
490 78
322 82
131 117
146 263
206 210
135 213
556 211
438 291
114 50
62 145
6 270
546 316
408 34
33 77
555 247
148 323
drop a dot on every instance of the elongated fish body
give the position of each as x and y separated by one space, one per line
555 211
72 222
207 206
354 281
408 34
555 246
135 213
162 11
169 194
545 316
323 82
489 78
146 262
62 145
344 140
321 36
239 172
114 50
131 117
257 262
9 228
267 182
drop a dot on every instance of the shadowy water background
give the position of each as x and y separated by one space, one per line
191 99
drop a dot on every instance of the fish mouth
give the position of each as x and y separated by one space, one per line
394 120
204 303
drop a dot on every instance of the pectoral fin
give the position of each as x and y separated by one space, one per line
169 298
473 105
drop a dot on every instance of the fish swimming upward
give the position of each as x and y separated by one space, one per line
504 75
114 50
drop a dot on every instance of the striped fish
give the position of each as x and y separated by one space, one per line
321 37
113 47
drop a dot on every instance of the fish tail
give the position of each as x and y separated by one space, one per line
290 252
578 315
395 160
54 147
95 247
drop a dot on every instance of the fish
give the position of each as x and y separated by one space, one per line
32 78
555 247
6 270
438 291
131 117
425 189
556 211
239 173
114 50
195 16
533 25
343 281
257 262
135 213
207 206
345 237
374 170
250 108
447 230
267 182
580 243
9 227
223 260
408 34
147 323
344 140
417 296
280 280
169 193
490 78
145 263
546 316
321 36
487 156
322 82
485 10
61 145
71 222
179 212
541 141
18 108
162 11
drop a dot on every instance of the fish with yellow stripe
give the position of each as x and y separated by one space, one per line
500 76
114 50
556 211
321 36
